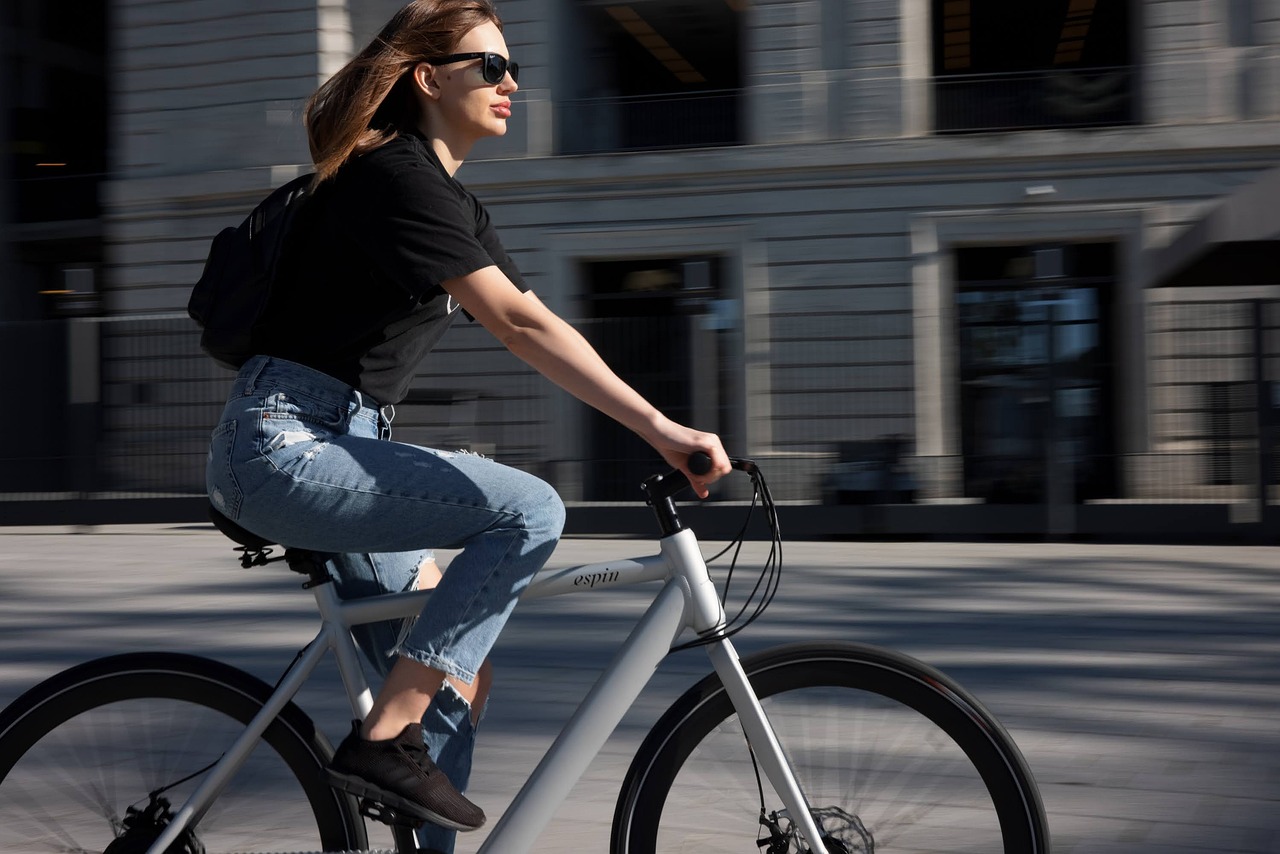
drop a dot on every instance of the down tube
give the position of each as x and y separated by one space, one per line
764 743
590 726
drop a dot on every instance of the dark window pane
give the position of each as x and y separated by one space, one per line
651 74
1010 64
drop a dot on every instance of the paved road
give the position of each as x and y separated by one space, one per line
1142 682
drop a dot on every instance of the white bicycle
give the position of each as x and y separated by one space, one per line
814 747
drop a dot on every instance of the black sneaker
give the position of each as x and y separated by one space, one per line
399 773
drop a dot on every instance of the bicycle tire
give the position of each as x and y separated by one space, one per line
81 747
691 786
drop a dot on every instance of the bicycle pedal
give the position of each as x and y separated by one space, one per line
388 815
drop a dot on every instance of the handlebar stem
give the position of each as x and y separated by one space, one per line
659 490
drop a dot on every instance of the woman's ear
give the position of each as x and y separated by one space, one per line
424 78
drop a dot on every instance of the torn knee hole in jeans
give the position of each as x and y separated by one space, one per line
453 695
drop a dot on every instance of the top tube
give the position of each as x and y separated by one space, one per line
590 576
548 582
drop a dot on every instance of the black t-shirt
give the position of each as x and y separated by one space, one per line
358 293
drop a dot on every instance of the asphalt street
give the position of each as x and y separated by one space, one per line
1141 682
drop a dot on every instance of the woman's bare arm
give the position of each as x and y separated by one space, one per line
538 336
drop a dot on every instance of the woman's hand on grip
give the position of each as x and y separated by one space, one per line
676 443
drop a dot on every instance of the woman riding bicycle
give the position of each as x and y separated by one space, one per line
385 251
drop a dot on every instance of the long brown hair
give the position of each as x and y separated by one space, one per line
366 103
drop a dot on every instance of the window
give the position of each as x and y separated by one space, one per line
1010 64
53 90
58 121
650 74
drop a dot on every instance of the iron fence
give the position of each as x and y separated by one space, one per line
120 409
1061 98
1215 403
123 409
645 122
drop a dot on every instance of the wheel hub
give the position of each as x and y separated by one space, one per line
142 827
842 833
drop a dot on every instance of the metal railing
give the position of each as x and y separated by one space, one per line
647 122
1059 98
1215 403
121 408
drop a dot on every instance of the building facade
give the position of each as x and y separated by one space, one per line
899 249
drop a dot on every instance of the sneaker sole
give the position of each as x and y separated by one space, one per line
360 787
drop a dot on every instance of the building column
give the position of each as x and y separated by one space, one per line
917 67
787 88
334 45
937 436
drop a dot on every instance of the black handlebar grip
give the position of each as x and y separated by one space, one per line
699 463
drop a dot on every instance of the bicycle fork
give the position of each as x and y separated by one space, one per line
763 742
706 615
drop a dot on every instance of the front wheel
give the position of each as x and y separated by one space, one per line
95 759
891 755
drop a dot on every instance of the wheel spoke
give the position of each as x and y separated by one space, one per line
71 790
79 752
889 757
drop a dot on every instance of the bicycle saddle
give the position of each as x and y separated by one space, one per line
245 538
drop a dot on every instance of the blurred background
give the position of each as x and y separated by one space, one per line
945 267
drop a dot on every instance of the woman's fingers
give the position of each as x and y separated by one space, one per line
706 443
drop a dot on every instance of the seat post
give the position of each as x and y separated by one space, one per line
310 564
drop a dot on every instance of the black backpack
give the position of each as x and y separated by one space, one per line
229 300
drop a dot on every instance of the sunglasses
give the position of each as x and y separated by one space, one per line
494 69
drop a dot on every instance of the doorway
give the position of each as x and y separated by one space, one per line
1037 378
654 321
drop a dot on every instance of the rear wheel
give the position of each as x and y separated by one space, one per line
94 758
892 756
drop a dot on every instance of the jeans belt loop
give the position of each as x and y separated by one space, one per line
386 415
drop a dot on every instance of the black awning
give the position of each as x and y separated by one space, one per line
1237 243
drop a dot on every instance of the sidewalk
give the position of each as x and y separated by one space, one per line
1142 682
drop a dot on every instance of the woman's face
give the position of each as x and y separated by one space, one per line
468 106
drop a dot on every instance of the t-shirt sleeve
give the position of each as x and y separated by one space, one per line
488 237
418 229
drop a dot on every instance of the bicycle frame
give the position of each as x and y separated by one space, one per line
687 599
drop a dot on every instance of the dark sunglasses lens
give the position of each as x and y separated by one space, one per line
496 67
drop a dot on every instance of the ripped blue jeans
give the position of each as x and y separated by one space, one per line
450 725
304 460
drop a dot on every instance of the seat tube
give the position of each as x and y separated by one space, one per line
344 650
763 741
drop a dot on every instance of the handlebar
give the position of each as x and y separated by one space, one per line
699 463
660 489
